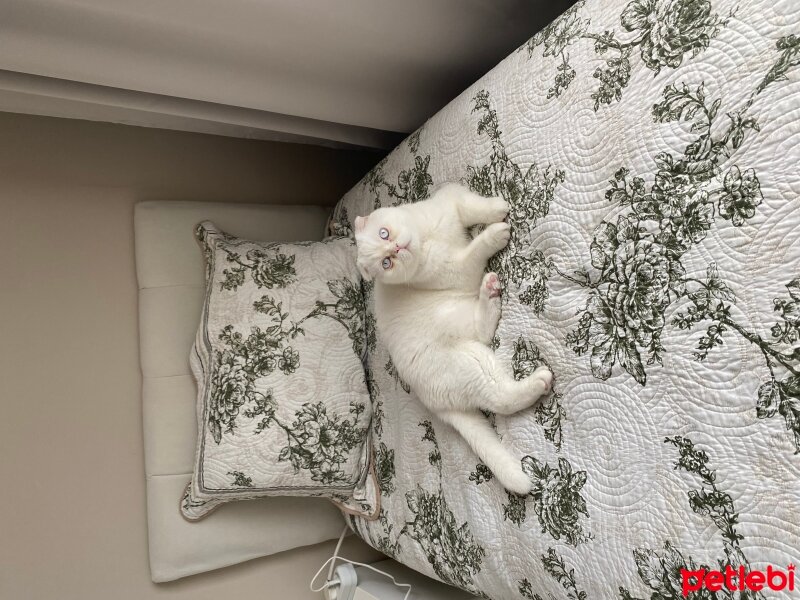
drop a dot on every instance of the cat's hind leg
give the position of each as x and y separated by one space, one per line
509 395
483 440
493 388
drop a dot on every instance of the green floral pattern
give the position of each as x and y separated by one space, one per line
449 547
412 183
384 538
321 443
638 258
240 479
351 312
661 571
646 149
663 31
241 361
249 363
268 269
557 499
549 412
529 193
555 566
384 464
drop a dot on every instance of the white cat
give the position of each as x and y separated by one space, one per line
437 312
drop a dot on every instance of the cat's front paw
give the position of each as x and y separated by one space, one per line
544 375
498 209
498 235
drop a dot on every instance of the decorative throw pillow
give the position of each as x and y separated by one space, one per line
283 407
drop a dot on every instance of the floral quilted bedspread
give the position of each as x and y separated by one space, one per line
650 151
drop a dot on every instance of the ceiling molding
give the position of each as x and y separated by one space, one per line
49 96
353 72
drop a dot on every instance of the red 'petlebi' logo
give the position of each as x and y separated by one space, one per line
737 579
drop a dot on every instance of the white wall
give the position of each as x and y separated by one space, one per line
72 507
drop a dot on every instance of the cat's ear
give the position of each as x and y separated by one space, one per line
360 223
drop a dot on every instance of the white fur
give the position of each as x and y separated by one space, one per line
437 312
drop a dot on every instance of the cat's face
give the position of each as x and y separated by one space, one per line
388 246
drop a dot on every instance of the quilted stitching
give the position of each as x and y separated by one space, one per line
648 149
282 403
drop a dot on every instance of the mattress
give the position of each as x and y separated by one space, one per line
171 276
649 151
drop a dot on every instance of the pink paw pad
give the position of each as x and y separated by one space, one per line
492 284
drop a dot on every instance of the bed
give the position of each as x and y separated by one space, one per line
649 151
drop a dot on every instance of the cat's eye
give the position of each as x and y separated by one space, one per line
387 262
384 233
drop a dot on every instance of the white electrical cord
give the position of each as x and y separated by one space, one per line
336 552
332 560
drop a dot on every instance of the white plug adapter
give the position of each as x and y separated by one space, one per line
343 584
